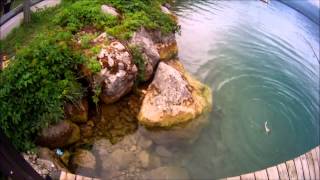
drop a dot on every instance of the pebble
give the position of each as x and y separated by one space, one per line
144 158
133 148
162 151
145 143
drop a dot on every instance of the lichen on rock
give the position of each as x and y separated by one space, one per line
118 72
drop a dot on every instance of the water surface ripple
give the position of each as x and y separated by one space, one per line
260 61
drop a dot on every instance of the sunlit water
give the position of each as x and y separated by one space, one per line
260 61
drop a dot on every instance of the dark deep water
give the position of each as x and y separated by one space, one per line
259 60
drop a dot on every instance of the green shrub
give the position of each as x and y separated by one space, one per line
139 13
93 64
83 13
86 39
43 75
19 37
139 62
34 87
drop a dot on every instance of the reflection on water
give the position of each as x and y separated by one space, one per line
260 61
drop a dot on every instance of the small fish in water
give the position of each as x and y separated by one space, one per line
266 127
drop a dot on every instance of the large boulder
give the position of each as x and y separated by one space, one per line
173 97
118 72
59 135
143 40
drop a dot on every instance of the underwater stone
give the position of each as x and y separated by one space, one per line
59 135
84 158
166 173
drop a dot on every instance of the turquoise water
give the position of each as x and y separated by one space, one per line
261 61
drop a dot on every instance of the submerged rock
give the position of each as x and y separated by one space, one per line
83 159
77 112
118 72
109 10
59 135
101 147
173 97
144 41
118 159
47 154
167 173
144 158
163 152
184 134
87 129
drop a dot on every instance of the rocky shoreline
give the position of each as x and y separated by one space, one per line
130 133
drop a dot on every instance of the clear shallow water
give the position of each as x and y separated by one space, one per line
259 60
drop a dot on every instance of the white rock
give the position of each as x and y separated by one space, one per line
109 10
165 10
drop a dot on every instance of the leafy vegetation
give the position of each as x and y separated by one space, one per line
139 13
20 37
35 86
83 13
138 60
43 74
93 65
